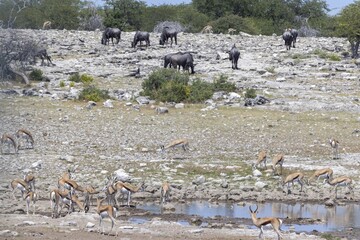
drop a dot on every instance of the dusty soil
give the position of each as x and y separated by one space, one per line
306 110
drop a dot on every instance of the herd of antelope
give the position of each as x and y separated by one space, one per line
66 193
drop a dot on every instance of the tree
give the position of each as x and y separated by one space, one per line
124 14
349 26
63 14
11 9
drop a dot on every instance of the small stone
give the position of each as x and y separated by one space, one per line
90 225
257 173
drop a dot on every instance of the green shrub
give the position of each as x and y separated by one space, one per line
334 57
221 84
299 56
250 93
36 75
62 83
326 55
158 84
200 91
72 84
75 77
221 25
84 78
92 93
170 85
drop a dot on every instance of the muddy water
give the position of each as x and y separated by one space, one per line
327 219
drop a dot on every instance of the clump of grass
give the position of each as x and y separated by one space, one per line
62 83
36 75
84 78
221 84
72 84
328 236
92 93
326 55
270 69
299 56
250 93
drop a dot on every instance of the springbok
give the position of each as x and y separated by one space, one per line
335 146
261 222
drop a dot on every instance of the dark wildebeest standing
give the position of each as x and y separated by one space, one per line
111 33
185 60
167 59
234 55
288 38
166 34
42 54
295 34
139 37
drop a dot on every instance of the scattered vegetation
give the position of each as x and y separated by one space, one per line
325 55
221 84
92 93
250 93
270 69
328 236
170 85
84 78
299 56
36 75
72 84
62 83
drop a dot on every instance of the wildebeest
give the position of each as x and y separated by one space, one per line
139 37
166 34
185 60
42 54
295 34
288 38
234 55
111 33
167 59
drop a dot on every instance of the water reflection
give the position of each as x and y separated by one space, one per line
334 218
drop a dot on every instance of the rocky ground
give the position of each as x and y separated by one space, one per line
312 99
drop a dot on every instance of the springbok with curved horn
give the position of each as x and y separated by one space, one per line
261 222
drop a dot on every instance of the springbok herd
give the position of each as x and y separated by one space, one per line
66 193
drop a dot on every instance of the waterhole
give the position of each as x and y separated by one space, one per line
325 218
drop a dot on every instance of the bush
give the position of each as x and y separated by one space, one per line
84 78
326 55
75 77
62 83
36 75
222 24
221 84
158 84
92 93
250 93
72 84
200 91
